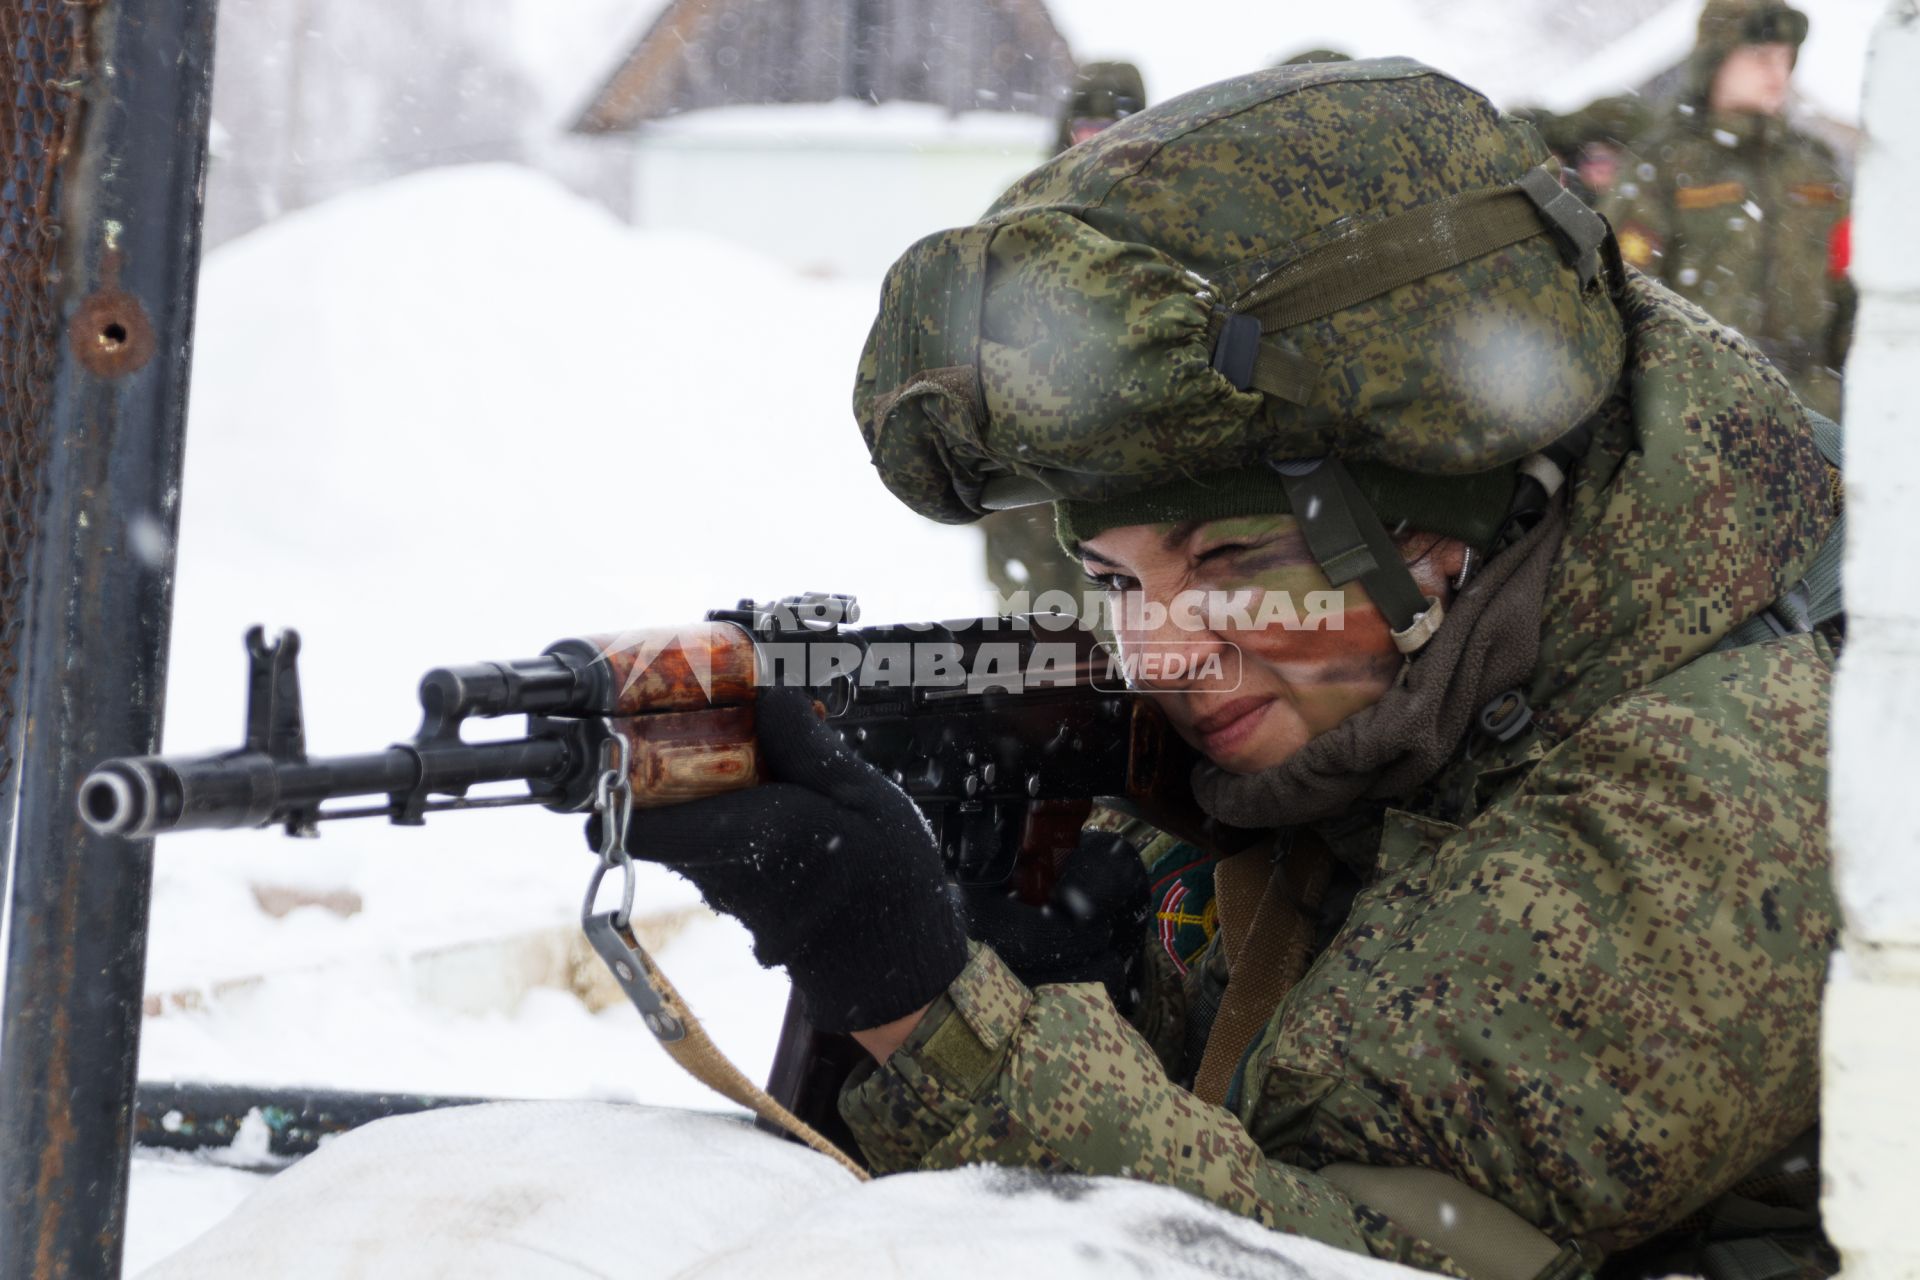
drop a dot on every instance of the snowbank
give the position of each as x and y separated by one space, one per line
579 1189
175 1198
456 417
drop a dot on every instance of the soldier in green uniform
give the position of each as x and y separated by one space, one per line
1103 94
1523 970
1023 560
1591 143
1736 210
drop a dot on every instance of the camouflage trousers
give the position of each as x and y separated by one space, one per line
1597 1001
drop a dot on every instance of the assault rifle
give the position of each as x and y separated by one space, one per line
1003 730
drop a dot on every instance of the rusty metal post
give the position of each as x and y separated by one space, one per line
97 601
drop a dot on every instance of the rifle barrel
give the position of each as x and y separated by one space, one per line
145 795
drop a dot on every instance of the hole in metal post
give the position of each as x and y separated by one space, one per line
110 333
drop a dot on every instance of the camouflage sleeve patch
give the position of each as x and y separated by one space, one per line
1184 913
1637 208
1816 193
1054 1080
1709 195
1640 245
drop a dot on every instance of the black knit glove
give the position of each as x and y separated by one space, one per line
1091 929
828 865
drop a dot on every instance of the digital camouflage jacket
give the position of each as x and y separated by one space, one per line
1738 213
1583 972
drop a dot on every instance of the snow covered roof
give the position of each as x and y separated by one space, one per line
958 54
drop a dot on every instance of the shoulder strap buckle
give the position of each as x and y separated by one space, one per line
1578 230
1505 716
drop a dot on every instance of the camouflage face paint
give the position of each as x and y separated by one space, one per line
1304 655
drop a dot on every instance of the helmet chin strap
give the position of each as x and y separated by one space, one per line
1541 476
1346 537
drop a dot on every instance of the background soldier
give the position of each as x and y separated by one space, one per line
1736 210
1104 93
1022 553
1591 142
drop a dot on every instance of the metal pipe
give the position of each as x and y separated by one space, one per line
97 618
179 1115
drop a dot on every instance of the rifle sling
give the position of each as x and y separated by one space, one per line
679 1032
1267 936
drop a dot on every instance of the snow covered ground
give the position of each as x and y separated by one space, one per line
455 417
581 1189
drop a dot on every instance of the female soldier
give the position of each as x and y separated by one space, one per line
1336 327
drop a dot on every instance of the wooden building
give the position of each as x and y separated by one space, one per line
830 134
960 55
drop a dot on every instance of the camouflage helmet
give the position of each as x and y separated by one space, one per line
1725 25
1359 260
1101 91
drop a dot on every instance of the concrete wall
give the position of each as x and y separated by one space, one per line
1871 1099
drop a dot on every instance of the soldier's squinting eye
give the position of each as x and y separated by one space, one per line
1112 580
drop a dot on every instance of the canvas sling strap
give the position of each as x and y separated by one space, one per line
660 1005
1262 898
679 1032
1265 903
